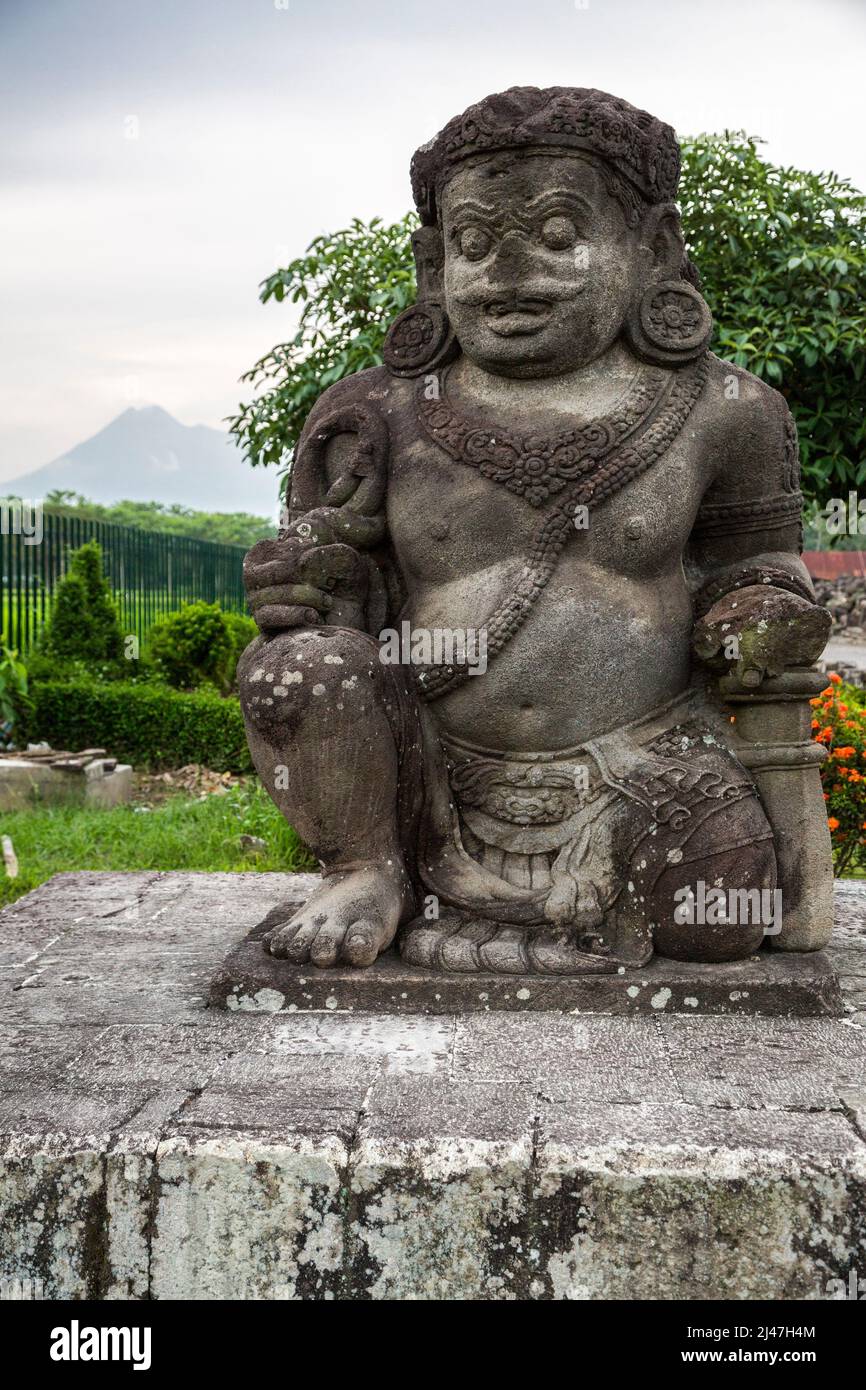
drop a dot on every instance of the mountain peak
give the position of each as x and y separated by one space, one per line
146 455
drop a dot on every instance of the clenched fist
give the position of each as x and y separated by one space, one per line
308 577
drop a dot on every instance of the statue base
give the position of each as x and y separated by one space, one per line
773 984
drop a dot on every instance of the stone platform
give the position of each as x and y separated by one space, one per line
774 983
155 1147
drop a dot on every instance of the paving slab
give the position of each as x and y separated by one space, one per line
154 1147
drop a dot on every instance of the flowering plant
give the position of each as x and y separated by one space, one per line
839 723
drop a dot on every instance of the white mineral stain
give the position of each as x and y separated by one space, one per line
660 1000
266 1001
292 677
319 690
633 991
280 690
522 994
691 1001
332 660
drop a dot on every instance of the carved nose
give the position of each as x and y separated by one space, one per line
510 254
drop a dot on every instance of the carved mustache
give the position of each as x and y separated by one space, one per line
530 298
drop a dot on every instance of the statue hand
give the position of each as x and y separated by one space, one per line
299 582
760 631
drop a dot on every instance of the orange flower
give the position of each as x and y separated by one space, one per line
836 680
816 723
847 752
815 703
832 822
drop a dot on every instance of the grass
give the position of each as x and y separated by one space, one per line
179 833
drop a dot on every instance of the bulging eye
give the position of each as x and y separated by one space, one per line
474 243
559 233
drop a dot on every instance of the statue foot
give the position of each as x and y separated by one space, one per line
349 920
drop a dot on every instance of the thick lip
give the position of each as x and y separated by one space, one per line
511 315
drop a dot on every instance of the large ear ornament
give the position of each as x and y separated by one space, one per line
420 339
670 325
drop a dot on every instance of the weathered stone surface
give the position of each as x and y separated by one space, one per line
250 980
202 1154
691 1202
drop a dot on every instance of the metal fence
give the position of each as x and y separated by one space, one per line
150 573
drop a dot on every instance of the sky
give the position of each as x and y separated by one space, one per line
159 158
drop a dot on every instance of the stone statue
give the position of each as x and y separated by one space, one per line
533 673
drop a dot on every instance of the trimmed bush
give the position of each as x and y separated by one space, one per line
147 725
83 625
243 631
193 646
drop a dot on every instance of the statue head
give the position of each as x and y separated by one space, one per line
548 231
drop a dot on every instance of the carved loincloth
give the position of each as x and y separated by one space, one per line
548 862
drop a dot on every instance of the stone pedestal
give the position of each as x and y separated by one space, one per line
157 1148
784 984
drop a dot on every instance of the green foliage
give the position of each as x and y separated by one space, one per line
227 528
83 625
148 725
193 646
181 834
350 284
242 631
13 692
782 257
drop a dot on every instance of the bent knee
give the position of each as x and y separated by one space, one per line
282 678
718 907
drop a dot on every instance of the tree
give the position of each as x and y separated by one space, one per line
350 284
782 256
229 528
83 625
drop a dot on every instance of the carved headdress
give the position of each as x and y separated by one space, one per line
639 147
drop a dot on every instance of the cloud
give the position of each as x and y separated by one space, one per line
259 127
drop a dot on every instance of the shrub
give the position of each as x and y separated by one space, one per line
243 630
13 693
148 725
193 646
839 723
83 625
